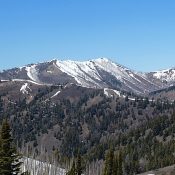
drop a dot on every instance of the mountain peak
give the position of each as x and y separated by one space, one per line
95 73
101 59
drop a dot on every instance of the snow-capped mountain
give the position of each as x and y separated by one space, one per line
167 75
98 73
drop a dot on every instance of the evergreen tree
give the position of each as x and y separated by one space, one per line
120 164
79 165
72 170
115 165
9 159
76 169
108 169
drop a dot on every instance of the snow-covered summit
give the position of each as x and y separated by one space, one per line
90 69
95 73
165 75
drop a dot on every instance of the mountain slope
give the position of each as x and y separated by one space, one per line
67 105
99 73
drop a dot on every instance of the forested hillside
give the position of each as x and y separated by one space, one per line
90 122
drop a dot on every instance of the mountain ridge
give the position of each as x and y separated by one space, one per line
96 73
48 108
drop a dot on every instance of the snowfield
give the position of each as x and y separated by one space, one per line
165 75
25 89
83 72
36 167
55 94
87 72
32 73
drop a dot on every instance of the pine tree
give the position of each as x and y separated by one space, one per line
79 165
76 169
72 170
109 160
120 164
9 159
115 165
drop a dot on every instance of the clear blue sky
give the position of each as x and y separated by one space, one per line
139 34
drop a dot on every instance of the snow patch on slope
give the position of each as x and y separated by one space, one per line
132 99
165 75
112 68
55 94
36 167
30 81
107 93
25 89
87 73
32 73
117 92
4 80
84 73
49 71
